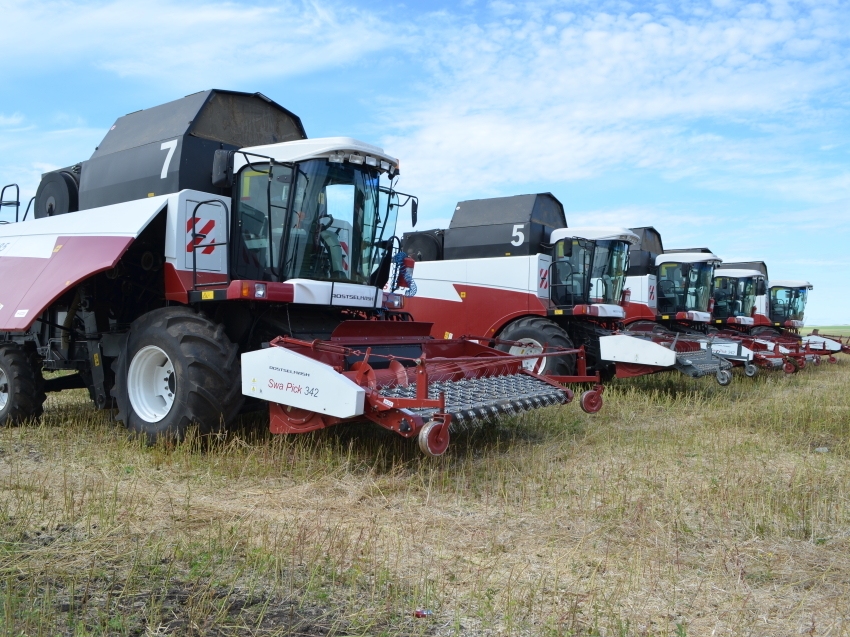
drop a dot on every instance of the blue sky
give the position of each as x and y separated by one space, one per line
723 124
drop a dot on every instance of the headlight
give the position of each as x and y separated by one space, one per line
355 159
371 161
259 290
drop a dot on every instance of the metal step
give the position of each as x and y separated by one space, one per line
474 399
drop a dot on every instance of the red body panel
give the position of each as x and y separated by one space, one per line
30 284
482 311
638 311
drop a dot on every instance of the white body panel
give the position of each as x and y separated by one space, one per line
436 279
342 294
698 317
643 290
742 320
282 376
819 342
36 238
178 231
729 348
610 311
630 349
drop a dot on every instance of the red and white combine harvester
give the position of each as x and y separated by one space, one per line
209 228
767 315
670 296
510 268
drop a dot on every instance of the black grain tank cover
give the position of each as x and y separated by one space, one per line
503 226
761 266
424 245
170 147
642 254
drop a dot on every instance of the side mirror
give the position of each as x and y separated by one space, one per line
414 211
222 169
761 288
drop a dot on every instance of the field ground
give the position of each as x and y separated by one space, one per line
835 330
683 508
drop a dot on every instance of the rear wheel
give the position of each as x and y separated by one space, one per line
751 370
179 368
534 333
21 385
724 377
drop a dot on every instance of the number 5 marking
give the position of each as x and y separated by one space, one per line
518 233
169 146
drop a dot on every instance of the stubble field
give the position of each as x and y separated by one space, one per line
683 508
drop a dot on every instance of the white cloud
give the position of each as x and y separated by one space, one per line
11 120
188 43
512 102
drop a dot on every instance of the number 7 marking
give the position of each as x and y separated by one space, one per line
169 146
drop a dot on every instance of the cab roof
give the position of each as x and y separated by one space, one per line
316 148
687 257
790 284
595 234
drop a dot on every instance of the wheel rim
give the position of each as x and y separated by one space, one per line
151 383
4 390
529 346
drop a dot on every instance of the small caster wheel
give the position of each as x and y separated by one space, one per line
789 368
751 370
802 363
434 438
590 401
724 377
816 360
833 360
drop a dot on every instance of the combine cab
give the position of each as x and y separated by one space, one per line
198 233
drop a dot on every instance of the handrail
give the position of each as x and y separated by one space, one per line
195 246
16 202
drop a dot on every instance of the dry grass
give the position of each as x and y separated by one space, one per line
683 508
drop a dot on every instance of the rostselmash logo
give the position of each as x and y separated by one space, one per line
288 371
353 297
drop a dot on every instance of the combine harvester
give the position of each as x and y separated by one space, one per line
670 298
510 268
767 316
211 227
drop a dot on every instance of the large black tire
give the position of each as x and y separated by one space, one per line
21 385
203 383
538 331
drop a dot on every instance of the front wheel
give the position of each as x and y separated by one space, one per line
724 377
534 333
179 368
21 385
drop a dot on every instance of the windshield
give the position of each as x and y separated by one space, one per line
787 304
734 296
684 287
610 262
318 220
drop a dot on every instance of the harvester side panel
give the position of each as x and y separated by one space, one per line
42 258
479 296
